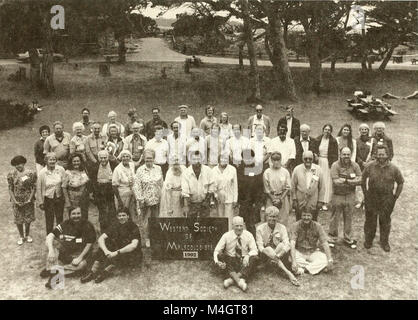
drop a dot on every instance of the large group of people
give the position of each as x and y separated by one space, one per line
149 169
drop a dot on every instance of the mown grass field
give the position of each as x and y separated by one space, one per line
387 276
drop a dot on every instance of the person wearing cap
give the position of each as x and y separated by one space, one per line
135 143
155 121
161 149
133 117
22 187
259 118
87 123
44 132
273 244
306 239
345 175
112 121
187 122
78 142
292 124
308 189
364 153
118 247
379 138
103 192
236 255
208 120
285 145
304 143
59 143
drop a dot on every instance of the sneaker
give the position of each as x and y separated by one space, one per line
29 239
228 282
385 247
45 273
242 284
88 277
20 241
357 206
101 276
324 208
367 245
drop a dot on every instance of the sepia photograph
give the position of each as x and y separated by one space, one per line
215 150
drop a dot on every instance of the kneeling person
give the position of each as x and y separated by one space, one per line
118 245
69 245
236 254
273 244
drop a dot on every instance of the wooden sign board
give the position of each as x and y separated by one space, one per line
185 238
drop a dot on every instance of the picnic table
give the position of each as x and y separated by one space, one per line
397 59
110 57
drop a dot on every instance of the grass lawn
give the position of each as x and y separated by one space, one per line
387 276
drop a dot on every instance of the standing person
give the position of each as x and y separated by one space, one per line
345 175
277 189
122 183
87 123
78 142
155 121
187 122
209 120
161 149
235 145
196 188
176 144
118 247
250 190
215 145
112 121
135 143
226 127
44 132
305 143
133 117
286 146
114 145
225 188
236 254
345 139
196 142
380 138
306 238
308 187
59 143
103 192
273 244
49 193
148 182
257 119
328 154
259 144
291 123
74 185
378 182
22 186
364 152
171 202
94 144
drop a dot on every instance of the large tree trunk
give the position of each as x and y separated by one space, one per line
241 56
47 71
121 49
315 64
35 68
254 75
387 57
278 56
363 50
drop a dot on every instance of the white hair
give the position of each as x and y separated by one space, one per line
237 220
379 124
305 126
77 125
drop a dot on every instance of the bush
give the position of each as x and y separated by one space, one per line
15 114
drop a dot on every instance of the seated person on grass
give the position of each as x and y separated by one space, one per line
236 254
118 246
69 245
273 244
306 237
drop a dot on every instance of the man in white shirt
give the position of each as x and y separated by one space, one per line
160 147
176 144
196 142
187 122
258 144
236 145
284 145
196 188
236 254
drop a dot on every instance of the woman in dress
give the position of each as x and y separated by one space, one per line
345 139
74 185
171 205
22 184
122 183
328 154
276 182
226 127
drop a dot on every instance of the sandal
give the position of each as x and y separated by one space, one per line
351 244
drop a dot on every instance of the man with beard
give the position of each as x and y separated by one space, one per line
156 120
304 249
69 245
59 143
345 175
378 182
118 246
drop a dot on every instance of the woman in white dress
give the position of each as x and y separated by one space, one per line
328 154
170 206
